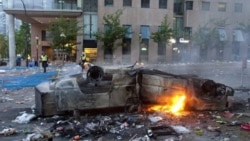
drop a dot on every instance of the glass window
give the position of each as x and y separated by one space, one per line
109 3
205 6
189 5
222 6
238 7
162 48
129 31
187 32
145 32
90 26
145 3
144 50
127 3
163 4
222 34
126 49
46 35
178 26
178 7
90 6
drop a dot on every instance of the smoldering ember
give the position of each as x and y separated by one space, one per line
131 103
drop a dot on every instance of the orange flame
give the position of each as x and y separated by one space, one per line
178 103
175 104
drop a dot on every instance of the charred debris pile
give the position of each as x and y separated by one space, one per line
147 103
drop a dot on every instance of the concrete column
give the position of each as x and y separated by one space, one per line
79 39
169 48
12 44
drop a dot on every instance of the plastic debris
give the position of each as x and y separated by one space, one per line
226 139
24 118
145 138
234 123
221 122
76 138
212 128
198 131
180 129
5 99
245 126
155 119
8 131
4 91
228 114
150 133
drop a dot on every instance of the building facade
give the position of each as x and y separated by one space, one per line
4 21
143 17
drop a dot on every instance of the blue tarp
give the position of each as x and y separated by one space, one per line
18 82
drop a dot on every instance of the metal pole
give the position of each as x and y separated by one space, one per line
63 53
62 35
37 55
37 38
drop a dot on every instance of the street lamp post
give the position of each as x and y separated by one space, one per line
62 35
37 43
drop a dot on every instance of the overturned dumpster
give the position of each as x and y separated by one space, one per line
129 88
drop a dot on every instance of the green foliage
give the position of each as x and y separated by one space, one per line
69 27
220 23
245 27
22 37
113 32
164 34
208 35
4 50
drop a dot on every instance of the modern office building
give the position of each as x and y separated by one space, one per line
142 17
4 21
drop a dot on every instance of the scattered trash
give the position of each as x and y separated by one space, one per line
145 138
4 91
150 133
24 118
245 126
228 114
234 123
180 129
212 128
8 131
5 99
243 114
226 139
76 138
19 102
198 131
154 119
221 122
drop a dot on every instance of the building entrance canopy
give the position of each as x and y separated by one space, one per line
41 11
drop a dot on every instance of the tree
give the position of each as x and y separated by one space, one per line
3 46
70 28
112 33
245 27
207 37
208 34
22 37
163 37
164 34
